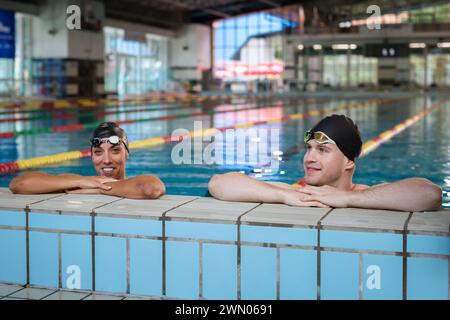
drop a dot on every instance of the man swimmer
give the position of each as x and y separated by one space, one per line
332 147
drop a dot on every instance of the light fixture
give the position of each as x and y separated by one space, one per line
344 46
345 24
443 45
417 45
317 47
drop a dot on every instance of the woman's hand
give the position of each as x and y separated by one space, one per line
85 191
94 183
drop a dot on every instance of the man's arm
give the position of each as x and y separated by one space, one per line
415 194
236 186
140 187
40 183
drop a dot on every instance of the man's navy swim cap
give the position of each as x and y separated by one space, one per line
344 132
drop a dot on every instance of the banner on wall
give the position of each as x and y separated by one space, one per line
7 34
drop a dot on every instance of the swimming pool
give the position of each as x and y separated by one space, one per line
190 247
421 150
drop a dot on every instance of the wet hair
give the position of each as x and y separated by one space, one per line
344 132
109 129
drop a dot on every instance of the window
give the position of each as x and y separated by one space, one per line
250 47
134 67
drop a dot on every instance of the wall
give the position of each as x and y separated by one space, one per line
186 247
88 44
189 52
52 39
50 34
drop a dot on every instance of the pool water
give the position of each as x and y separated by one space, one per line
423 150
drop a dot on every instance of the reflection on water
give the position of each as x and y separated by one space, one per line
422 150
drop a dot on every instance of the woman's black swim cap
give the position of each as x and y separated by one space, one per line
344 132
109 129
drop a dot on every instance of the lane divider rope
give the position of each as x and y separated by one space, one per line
57 115
44 161
77 127
35 105
105 104
90 103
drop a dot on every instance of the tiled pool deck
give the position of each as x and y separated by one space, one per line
181 247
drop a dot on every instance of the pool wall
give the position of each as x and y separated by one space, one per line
184 247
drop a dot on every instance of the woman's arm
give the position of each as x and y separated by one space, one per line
40 183
140 187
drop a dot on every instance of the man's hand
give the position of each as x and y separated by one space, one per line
327 195
94 183
296 199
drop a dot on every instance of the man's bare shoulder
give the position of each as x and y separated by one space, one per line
281 185
361 187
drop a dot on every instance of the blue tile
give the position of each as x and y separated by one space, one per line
382 277
76 262
13 218
195 230
110 264
220 272
427 279
140 227
361 240
182 270
258 273
44 270
429 244
339 276
297 236
146 267
298 274
60 222
13 257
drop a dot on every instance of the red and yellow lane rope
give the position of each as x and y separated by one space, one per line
93 103
40 162
374 143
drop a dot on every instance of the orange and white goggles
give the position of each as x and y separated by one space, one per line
318 136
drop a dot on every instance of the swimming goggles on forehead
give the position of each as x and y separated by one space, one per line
318 136
114 140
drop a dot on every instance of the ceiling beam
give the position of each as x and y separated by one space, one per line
189 8
270 3
178 4
29 8
216 13
164 19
